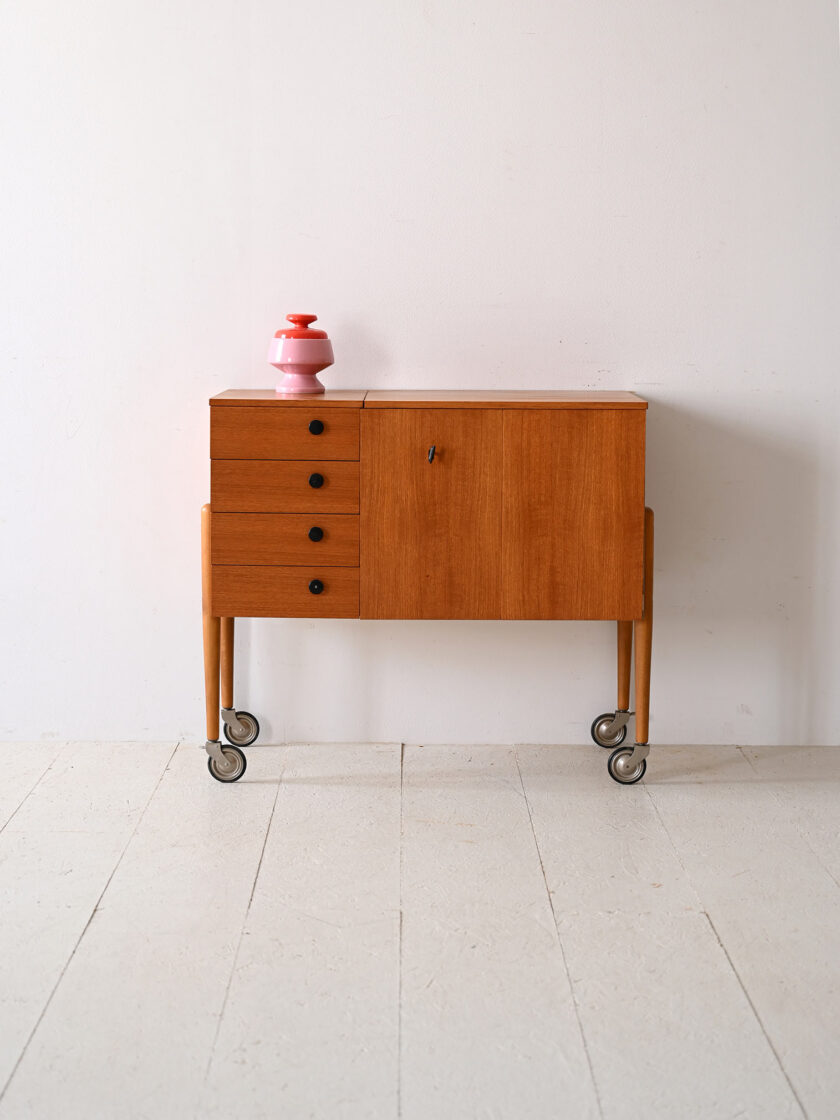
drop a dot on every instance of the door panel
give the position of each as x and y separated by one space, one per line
431 532
574 496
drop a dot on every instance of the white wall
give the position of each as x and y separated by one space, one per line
634 194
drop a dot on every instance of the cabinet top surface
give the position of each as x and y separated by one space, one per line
352 398
438 398
501 398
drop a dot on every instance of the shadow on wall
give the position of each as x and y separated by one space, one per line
428 681
741 554
740 550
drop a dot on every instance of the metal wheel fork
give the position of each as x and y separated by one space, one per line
231 720
214 750
640 753
619 720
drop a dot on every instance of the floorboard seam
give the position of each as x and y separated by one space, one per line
674 849
233 966
748 998
559 938
791 820
38 781
702 906
81 936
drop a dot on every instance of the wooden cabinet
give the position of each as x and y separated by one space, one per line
431 505
448 505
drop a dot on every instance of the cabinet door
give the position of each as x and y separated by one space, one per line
431 531
574 495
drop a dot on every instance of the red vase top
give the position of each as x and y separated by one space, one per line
300 328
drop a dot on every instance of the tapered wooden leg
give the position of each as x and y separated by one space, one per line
227 662
643 633
211 628
625 655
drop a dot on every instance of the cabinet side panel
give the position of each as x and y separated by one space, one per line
430 532
574 496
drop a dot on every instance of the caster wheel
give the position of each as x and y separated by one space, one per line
234 766
621 769
252 730
597 731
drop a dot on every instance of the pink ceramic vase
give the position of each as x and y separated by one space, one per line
300 352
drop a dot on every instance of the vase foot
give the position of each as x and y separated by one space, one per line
297 385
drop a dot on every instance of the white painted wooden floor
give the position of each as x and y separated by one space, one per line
425 932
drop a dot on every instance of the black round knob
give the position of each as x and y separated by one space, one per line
316 533
316 427
315 586
316 481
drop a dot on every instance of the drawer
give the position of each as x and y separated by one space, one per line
274 486
284 538
284 433
263 591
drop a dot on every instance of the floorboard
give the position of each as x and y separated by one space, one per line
773 904
24 764
310 1022
489 1025
57 854
655 990
443 932
806 784
130 1029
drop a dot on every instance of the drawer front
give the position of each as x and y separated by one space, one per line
284 433
263 591
285 538
265 486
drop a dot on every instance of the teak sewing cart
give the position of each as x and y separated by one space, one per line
436 504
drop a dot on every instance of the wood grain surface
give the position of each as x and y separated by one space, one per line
643 638
483 398
228 634
267 398
624 650
263 591
283 538
211 629
277 486
283 433
430 532
573 514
